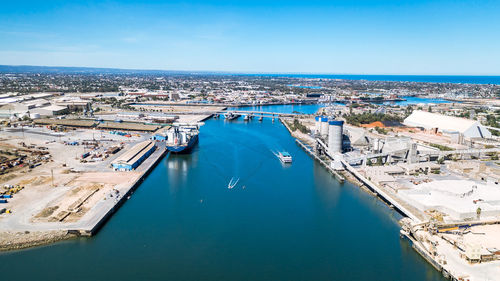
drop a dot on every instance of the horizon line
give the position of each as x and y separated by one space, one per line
242 72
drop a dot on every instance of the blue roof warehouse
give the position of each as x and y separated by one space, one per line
134 157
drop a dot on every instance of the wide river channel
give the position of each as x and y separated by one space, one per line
280 222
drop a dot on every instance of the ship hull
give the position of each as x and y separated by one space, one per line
183 148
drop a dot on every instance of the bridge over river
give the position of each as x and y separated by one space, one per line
264 113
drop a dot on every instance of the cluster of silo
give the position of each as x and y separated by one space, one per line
317 125
322 126
331 131
335 128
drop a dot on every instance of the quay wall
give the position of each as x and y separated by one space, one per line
427 256
381 193
303 146
339 177
93 228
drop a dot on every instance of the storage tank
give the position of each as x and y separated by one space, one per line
335 136
324 126
317 124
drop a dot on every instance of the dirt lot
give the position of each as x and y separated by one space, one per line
60 190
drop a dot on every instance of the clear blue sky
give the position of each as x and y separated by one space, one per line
340 37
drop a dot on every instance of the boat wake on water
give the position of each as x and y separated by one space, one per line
232 183
274 152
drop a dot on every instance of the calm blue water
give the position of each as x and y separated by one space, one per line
291 222
313 108
289 108
400 78
416 100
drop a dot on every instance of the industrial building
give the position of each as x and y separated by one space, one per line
443 123
134 157
128 126
10 109
161 134
357 137
459 199
50 110
74 103
78 123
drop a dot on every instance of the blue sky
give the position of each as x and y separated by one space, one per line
340 37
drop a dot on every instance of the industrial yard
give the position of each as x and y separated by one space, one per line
250 140
65 170
73 185
440 172
70 160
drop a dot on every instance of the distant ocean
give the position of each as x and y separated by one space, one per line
400 78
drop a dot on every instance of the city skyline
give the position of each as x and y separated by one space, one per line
339 37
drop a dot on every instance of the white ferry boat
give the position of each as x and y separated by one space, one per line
285 157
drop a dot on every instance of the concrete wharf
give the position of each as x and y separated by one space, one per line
105 209
338 176
380 193
310 151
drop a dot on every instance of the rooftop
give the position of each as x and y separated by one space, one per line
132 155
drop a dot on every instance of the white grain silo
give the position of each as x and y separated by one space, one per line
324 126
335 136
317 125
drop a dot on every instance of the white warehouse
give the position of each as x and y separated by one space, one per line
427 120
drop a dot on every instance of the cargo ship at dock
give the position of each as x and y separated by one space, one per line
181 139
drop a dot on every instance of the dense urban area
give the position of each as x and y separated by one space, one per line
74 144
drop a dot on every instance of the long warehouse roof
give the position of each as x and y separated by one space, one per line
429 120
66 122
128 126
134 153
